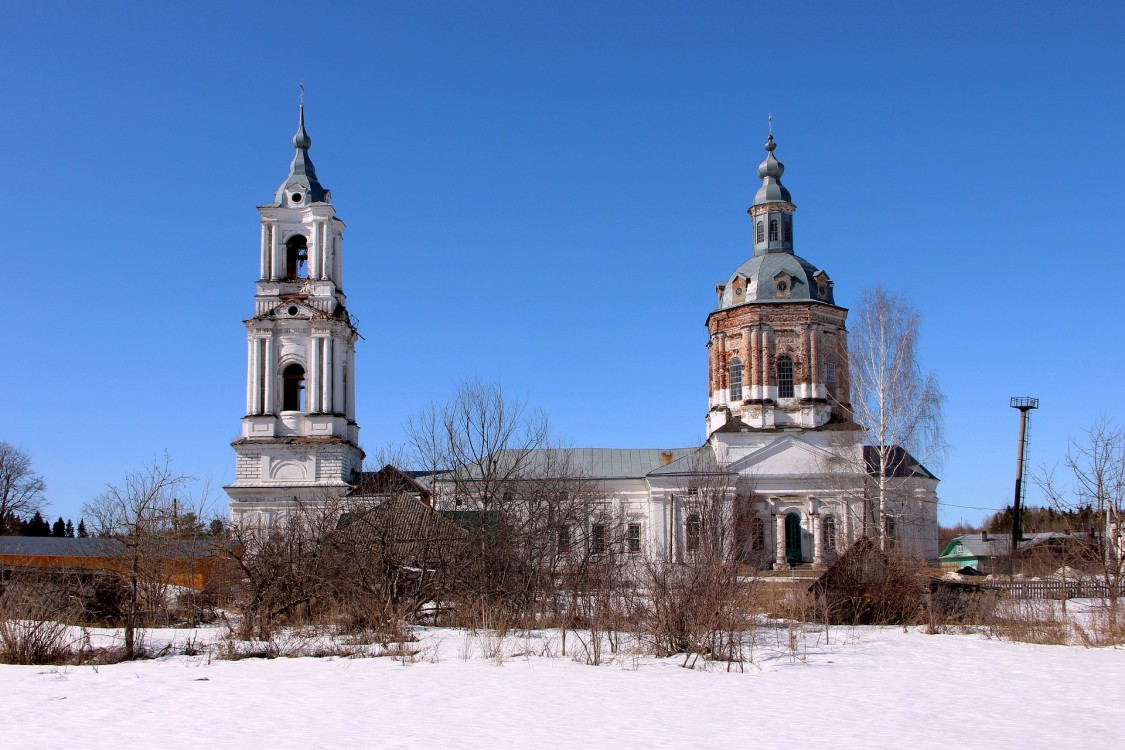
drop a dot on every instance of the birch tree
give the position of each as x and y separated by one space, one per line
1094 469
896 402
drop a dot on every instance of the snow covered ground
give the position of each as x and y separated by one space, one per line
859 687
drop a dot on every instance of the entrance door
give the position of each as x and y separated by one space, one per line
793 538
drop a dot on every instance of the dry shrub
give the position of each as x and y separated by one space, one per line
1030 621
34 611
699 610
1104 627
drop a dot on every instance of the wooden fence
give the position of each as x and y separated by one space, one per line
1076 589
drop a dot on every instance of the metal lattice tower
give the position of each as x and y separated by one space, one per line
1025 404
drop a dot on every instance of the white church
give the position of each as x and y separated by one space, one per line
782 449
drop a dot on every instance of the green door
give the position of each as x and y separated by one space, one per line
793 538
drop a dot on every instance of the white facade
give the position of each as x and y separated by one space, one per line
299 439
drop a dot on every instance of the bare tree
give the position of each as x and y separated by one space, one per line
896 402
144 515
1094 469
21 487
495 469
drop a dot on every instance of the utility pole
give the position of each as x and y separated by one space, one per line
1024 404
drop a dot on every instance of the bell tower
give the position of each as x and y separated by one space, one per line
299 437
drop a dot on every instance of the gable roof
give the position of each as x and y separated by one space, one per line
900 464
388 480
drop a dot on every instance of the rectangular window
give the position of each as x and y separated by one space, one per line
694 527
736 379
830 378
784 376
564 540
634 538
597 539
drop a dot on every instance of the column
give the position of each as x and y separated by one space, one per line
337 262
337 376
818 539
250 375
329 254
266 373
314 250
265 252
721 363
814 362
744 355
276 261
755 363
803 377
349 384
313 391
767 377
779 542
327 377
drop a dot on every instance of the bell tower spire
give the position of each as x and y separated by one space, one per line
299 438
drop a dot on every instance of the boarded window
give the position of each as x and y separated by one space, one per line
784 376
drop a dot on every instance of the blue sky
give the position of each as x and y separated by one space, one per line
545 194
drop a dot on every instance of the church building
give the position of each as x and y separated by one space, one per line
782 452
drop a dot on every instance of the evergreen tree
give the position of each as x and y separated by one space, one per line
37 526
58 529
69 529
82 529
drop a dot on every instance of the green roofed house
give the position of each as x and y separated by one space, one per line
982 551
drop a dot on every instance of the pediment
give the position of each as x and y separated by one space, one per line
293 309
788 455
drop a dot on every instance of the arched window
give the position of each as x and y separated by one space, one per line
829 533
890 542
784 376
293 388
760 236
773 230
694 528
830 378
297 257
735 379
788 228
